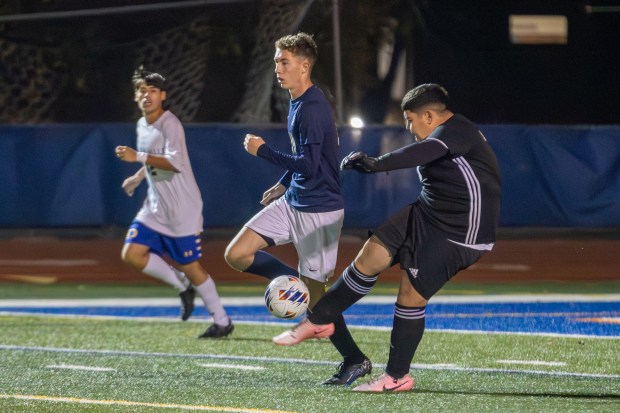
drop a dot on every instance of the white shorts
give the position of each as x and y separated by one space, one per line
315 235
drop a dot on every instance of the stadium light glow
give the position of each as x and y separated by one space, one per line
356 122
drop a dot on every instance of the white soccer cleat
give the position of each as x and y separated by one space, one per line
387 383
303 331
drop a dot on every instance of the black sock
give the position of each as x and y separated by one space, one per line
407 333
344 343
268 266
349 289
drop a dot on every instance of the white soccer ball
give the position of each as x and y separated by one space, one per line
287 297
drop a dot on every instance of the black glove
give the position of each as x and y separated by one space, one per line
359 161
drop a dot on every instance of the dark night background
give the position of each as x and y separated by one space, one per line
463 45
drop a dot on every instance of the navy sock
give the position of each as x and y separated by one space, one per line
268 266
349 289
407 333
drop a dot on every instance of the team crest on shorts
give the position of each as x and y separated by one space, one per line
132 233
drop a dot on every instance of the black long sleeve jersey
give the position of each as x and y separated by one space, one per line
461 184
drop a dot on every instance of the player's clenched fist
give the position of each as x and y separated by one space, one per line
251 143
125 153
349 160
358 161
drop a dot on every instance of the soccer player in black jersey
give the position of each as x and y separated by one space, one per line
450 226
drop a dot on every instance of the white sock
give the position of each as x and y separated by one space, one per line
212 301
182 277
156 267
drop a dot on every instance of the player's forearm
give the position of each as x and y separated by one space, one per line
301 164
159 162
409 156
141 174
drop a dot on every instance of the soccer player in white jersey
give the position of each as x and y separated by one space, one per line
451 225
170 220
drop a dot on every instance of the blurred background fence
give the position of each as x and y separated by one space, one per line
540 77
66 175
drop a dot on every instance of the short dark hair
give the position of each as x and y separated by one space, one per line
150 78
300 44
423 95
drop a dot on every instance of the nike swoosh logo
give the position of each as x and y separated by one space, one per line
393 388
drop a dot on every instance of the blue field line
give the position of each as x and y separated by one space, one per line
582 318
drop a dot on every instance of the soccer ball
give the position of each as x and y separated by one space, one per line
287 297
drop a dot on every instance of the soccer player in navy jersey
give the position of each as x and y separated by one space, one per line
451 225
306 206
170 220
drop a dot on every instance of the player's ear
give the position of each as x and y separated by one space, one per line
164 95
428 117
305 66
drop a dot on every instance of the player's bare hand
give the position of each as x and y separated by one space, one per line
125 153
272 194
130 184
251 143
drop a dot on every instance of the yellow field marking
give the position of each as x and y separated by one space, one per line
500 267
49 263
527 315
140 404
464 292
32 279
600 320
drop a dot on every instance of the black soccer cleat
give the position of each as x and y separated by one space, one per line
218 331
348 373
187 302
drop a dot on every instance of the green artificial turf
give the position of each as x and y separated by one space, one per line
160 366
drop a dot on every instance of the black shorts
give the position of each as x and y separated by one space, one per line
423 250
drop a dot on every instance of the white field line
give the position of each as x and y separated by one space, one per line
533 362
252 301
443 367
137 404
230 366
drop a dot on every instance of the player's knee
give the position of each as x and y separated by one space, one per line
374 257
133 259
128 259
125 256
409 296
235 258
